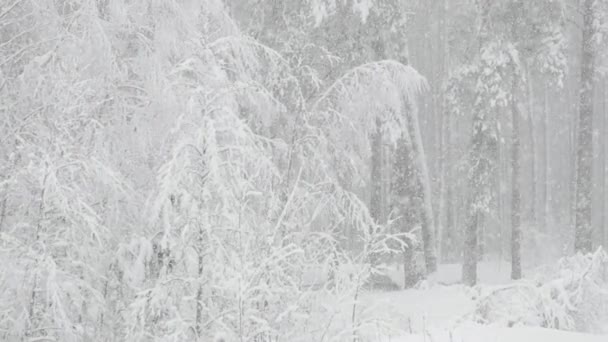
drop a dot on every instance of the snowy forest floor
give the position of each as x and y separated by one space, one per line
441 310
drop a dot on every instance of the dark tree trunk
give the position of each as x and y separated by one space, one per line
404 200
516 154
534 215
423 185
583 235
469 266
546 165
199 291
602 139
483 149
515 189
376 200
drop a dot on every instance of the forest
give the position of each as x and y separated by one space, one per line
304 170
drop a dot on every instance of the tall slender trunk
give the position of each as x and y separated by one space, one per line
482 163
3 205
515 187
583 235
386 179
444 128
546 164
199 290
376 200
602 140
404 193
572 162
533 160
440 222
5 192
469 266
424 184
482 150
449 233
500 202
34 307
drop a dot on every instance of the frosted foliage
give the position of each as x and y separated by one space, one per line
573 297
286 170
172 113
350 103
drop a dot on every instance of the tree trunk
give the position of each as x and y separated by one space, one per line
3 205
5 191
483 150
583 236
546 164
516 156
424 182
375 206
405 192
602 140
469 266
515 188
449 233
501 178
479 187
199 291
442 231
533 164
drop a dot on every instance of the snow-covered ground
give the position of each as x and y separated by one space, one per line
417 310
500 334
489 273
436 312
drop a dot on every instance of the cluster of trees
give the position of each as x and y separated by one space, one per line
170 169
523 48
166 176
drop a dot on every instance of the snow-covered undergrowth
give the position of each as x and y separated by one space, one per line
567 303
476 333
572 297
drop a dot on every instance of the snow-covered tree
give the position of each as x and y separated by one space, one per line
511 35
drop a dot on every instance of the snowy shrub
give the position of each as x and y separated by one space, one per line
582 285
574 297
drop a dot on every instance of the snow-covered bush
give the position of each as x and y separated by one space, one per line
582 286
573 297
